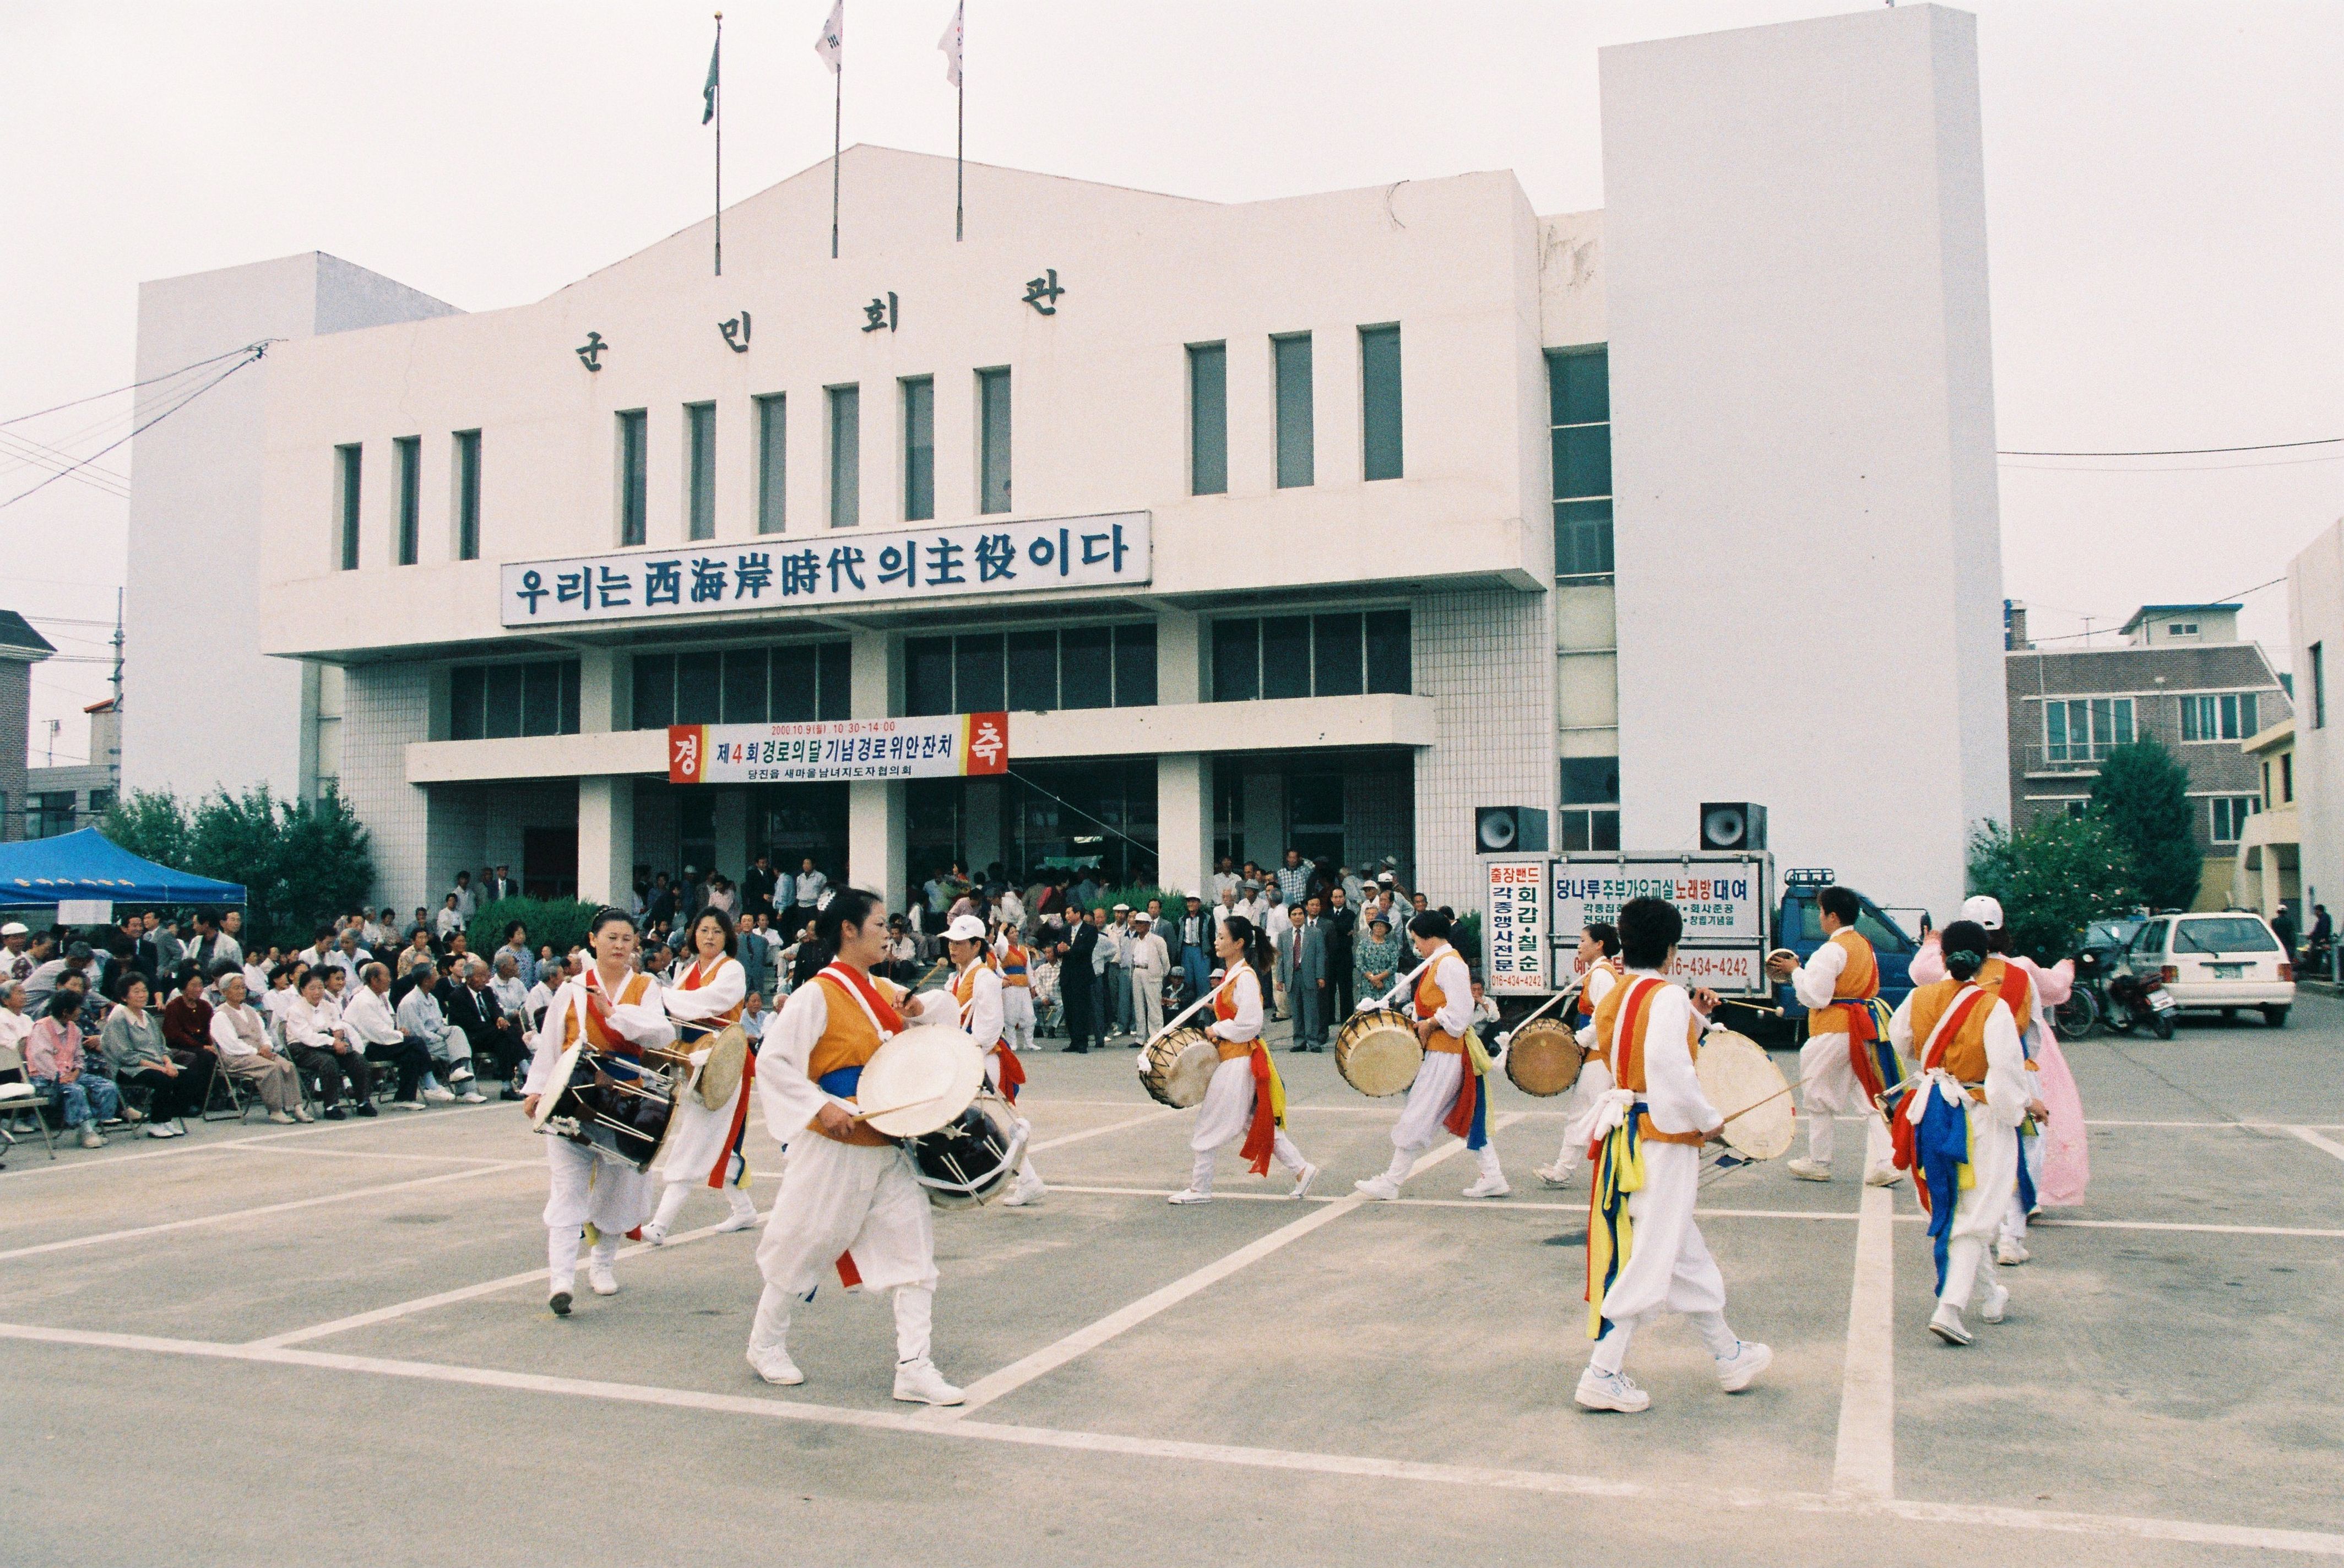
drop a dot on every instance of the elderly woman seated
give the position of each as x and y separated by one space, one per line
137 1051
241 1040
54 1056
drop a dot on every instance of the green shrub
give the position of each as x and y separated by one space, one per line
559 921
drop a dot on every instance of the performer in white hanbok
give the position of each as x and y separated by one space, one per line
612 1009
1645 1256
1960 1125
705 1148
1245 1094
1840 1069
1599 960
1016 989
1448 1094
850 1200
979 993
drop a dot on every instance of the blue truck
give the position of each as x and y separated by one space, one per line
1798 926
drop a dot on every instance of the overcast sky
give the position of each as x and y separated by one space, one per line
2165 211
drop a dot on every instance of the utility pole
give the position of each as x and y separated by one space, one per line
117 657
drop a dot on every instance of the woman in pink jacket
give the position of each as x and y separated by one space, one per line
53 1056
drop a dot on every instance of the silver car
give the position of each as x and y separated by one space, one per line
2223 962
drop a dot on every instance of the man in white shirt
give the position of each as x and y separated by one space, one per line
1150 963
450 919
512 996
809 886
370 1027
467 896
420 1016
1225 879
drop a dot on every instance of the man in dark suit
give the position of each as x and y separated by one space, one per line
1077 987
757 888
1342 923
471 1008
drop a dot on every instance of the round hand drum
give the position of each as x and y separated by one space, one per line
1543 1057
1378 1052
1737 1075
1176 1068
919 1080
718 1074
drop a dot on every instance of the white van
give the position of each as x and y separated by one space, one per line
2225 962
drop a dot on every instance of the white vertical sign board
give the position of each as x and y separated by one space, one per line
1515 927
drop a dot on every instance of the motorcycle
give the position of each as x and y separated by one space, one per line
2130 1000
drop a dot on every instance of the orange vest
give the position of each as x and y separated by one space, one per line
1225 1007
1961 1051
1858 981
693 978
1429 1000
848 1039
1627 1055
1013 968
597 1036
2013 985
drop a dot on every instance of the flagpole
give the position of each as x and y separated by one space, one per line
960 146
837 120
719 149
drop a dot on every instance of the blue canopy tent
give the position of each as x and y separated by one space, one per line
88 866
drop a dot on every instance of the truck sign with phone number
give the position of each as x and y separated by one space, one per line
1723 897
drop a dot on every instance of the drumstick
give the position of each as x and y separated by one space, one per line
907 1105
1399 989
1753 1105
1507 1039
1186 1013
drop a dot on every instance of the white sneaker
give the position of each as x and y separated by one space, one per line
407 1105
1808 1170
598 1276
473 1097
1382 1189
2010 1253
1997 1304
739 1220
1189 1195
1302 1181
775 1367
1945 1323
1887 1176
656 1233
90 1136
919 1383
279 1117
161 1129
1027 1188
133 1115
1611 1391
1489 1187
437 1094
302 1113
459 1076
1740 1369
1555 1175
558 1300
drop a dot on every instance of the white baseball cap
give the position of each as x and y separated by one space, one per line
965 928
1987 912
1141 917
13 928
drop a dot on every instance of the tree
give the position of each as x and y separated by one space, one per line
2052 879
2144 794
301 863
150 823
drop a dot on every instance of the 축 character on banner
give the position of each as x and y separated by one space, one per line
955 745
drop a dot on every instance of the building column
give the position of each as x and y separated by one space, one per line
1265 820
731 830
1179 657
606 838
2273 888
1184 822
981 825
605 692
877 816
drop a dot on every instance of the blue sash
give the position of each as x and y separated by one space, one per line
840 1081
1940 1150
1479 1137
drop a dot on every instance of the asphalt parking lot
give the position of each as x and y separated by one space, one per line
330 1344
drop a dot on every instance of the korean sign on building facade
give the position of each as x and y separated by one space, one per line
848 566
1514 944
954 745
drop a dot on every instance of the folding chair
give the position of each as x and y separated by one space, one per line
19 1099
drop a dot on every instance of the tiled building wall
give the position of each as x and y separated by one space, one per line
383 708
16 721
1487 661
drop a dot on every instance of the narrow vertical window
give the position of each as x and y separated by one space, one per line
919 447
772 463
2319 664
410 452
346 503
634 492
845 456
1379 400
1208 418
1297 463
993 436
467 495
1579 400
700 469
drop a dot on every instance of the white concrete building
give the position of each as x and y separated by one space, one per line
2315 620
1385 558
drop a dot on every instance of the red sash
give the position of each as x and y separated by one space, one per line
1901 1130
598 1018
1460 1121
891 1022
1013 1071
1862 1033
1261 1138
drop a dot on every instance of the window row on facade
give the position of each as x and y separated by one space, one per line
1293 409
406 461
2082 731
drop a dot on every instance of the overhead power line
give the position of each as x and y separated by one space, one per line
252 356
2184 452
253 349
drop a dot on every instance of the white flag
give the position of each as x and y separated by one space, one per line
950 44
832 41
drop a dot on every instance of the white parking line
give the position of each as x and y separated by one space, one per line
2325 1145
192 1146
486 1168
448 1297
1156 1113
1351 1466
1050 1356
1865 1465
2203 1230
